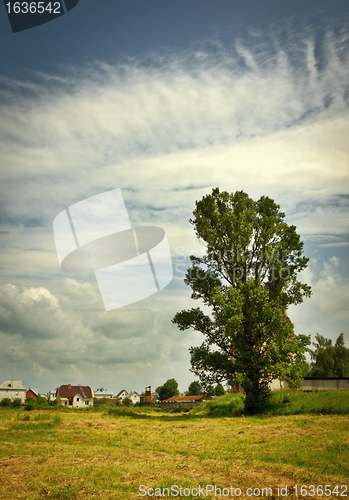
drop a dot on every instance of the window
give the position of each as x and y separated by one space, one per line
87 403
77 399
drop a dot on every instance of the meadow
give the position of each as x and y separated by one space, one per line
118 453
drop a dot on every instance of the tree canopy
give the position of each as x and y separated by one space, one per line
247 279
168 390
329 360
195 389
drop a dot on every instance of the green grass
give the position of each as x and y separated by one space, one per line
108 453
281 403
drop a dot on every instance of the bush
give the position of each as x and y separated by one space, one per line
5 402
127 402
30 404
16 403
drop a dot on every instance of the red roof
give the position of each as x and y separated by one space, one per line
30 393
66 391
185 398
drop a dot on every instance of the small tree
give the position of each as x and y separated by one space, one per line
168 390
127 402
16 403
195 389
219 390
247 278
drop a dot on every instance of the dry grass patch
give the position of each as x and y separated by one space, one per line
90 455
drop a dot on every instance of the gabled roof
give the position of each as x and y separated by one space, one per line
65 392
123 390
34 392
184 398
12 384
131 393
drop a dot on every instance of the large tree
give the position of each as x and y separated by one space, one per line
246 280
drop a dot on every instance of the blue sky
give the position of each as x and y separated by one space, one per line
164 100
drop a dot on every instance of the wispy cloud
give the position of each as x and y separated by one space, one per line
259 114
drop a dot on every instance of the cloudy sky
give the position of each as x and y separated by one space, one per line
164 100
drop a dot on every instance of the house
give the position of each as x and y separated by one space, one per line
75 396
122 395
32 393
12 389
51 395
134 397
103 393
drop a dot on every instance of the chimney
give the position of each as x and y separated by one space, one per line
69 386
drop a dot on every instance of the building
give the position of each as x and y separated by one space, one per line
325 384
51 395
103 393
183 402
134 397
75 396
32 393
12 389
122 394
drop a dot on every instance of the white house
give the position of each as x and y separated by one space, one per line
75 396
122 395
12 389
51 395
103 393
134 397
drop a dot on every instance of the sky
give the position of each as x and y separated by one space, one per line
165 101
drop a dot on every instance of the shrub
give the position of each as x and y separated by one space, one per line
5 402
16 403
30 405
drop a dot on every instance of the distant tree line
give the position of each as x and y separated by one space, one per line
170 389
328 360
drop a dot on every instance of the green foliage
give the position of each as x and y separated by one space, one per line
39 403
329 360
194 389
30 404
16 403
5 402
248 277
209 390
127 402
228 406
168 390
219 390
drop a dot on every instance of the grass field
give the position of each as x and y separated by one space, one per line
52 454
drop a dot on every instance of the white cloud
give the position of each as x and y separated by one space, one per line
47 341
260 118
326 312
